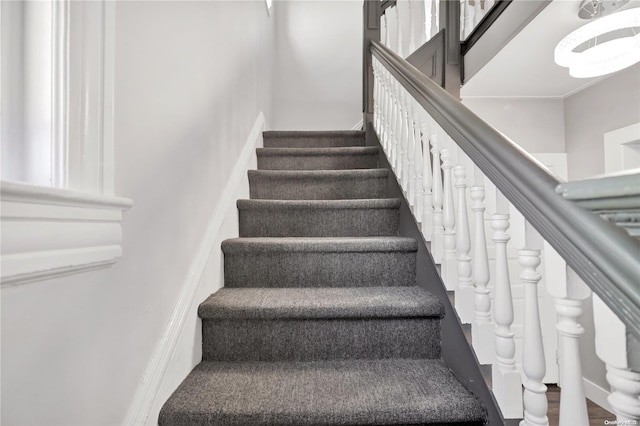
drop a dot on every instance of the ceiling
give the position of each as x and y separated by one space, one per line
525 67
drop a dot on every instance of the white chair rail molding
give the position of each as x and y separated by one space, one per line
59 212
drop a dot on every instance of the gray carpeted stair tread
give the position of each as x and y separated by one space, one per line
354 392
309 303
317 158
311 139
318 184
319 218
319 262
320 244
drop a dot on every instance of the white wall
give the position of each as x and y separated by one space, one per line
609 105
537 125
191 79
318 76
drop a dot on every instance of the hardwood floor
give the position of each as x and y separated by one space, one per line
597 414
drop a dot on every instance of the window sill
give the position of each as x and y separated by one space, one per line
50 232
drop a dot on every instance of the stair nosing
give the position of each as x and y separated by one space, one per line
320 244
317 303
297 174
317 152
350 204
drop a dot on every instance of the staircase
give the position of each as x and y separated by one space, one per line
320 321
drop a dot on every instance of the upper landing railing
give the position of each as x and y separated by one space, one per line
605 257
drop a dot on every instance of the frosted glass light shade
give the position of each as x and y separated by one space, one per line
603 58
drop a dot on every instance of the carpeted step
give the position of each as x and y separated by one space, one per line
310 324
319 218
355 392
319 262
317 184
313 139
317 158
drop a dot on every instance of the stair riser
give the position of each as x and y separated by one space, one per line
312 142
275 188
319 269
365 222
320 162
320 339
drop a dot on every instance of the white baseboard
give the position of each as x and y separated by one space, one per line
145 397
597 394
358 126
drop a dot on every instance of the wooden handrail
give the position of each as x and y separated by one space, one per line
604 256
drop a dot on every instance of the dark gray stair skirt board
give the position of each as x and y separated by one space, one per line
318 184
358 392
311 324
317 158
319 218
313 139
319 262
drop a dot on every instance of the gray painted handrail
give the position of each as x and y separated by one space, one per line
604 256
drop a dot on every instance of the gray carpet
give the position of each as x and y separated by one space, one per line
319 218
320 321
317 158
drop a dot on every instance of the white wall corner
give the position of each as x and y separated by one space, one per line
146 399
49 232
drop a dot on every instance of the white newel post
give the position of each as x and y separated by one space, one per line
427 196
507 382
437 244
482 329
464 291
533 362
613 347
449 273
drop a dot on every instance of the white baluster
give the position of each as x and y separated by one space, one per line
464 290
477 13
488 5
376 97
449 273
435 21
412 36
573 405
398 33
399 133
625 394
413 160
507 382
437 242
407 148
463 12
428 19
393 106
469 14
482 330
533 363
417 164
427 176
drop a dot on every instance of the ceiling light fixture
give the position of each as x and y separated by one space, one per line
603 58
